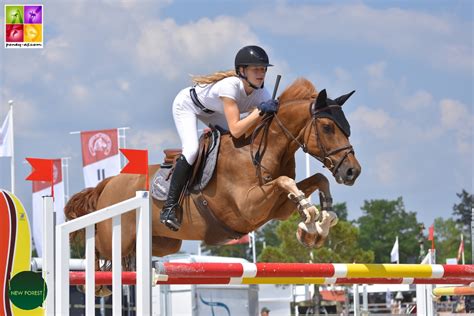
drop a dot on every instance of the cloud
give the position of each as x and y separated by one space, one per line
25 113
376 70
385 167
455 116
441 41
154 141
377 122
79 92
170 49
420 100
56 50
124 85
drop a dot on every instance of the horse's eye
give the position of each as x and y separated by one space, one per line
327 128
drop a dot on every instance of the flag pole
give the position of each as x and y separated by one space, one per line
398 251
12 161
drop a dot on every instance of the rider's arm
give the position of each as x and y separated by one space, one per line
237 126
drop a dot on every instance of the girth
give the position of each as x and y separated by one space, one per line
217 232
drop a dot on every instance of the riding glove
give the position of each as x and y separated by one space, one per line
269 106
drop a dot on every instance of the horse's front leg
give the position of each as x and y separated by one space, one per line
314 227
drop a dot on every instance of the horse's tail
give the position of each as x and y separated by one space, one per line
84 202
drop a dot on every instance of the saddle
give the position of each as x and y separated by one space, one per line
203 170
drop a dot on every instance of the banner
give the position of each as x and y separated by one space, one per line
6 137
43 188
100 155
394 256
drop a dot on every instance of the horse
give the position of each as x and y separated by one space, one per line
245 192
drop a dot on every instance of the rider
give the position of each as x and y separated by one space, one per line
217 99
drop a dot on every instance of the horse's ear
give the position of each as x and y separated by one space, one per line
343 98
321 100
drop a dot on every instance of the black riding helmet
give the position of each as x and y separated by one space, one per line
251 56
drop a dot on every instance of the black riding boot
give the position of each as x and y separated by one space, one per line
181 174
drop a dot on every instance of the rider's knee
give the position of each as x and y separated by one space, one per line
190 154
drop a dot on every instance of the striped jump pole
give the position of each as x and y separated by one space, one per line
453 291
129 278
324 270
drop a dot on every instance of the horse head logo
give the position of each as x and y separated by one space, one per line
100 143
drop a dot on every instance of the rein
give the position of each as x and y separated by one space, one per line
262 147
326 159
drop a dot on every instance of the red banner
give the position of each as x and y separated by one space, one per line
57 177
98 145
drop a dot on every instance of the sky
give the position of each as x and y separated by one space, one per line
110 64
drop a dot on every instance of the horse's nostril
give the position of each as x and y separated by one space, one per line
350 172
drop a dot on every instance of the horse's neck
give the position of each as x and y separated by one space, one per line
294 119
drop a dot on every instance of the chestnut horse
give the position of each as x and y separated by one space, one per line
240 197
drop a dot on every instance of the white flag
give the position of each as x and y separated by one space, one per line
394 253
6 137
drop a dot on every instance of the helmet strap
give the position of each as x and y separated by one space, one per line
248 81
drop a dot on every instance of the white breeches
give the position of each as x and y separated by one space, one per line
186 116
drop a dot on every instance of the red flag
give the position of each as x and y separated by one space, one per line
431 235
137 162
243 240
460 250
42 171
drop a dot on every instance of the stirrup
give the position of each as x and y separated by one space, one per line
173 222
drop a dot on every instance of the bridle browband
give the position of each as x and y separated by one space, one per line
326 159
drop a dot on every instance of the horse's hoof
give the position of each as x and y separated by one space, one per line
319 242
102 291
334 219
305 236
81 288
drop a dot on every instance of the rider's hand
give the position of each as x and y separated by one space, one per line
269 106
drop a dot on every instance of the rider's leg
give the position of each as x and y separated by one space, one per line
169 214
186 123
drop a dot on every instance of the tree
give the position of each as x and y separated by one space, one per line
381 223
463 211
266 234
447 239
341 246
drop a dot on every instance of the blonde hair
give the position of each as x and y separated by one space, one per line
212 78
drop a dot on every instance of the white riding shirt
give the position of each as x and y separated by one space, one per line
186 113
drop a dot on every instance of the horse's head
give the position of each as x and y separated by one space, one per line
326 137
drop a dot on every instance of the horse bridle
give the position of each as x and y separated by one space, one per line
326 159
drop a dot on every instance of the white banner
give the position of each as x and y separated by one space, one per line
98 171
6 137
100 155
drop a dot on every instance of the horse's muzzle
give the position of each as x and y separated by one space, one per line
348 172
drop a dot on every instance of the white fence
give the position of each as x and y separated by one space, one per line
56 255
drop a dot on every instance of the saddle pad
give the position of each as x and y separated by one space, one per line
160 184
161 180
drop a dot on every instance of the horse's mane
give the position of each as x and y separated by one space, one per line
300 89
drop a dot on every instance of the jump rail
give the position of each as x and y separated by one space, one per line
105 278
325 270
452 291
